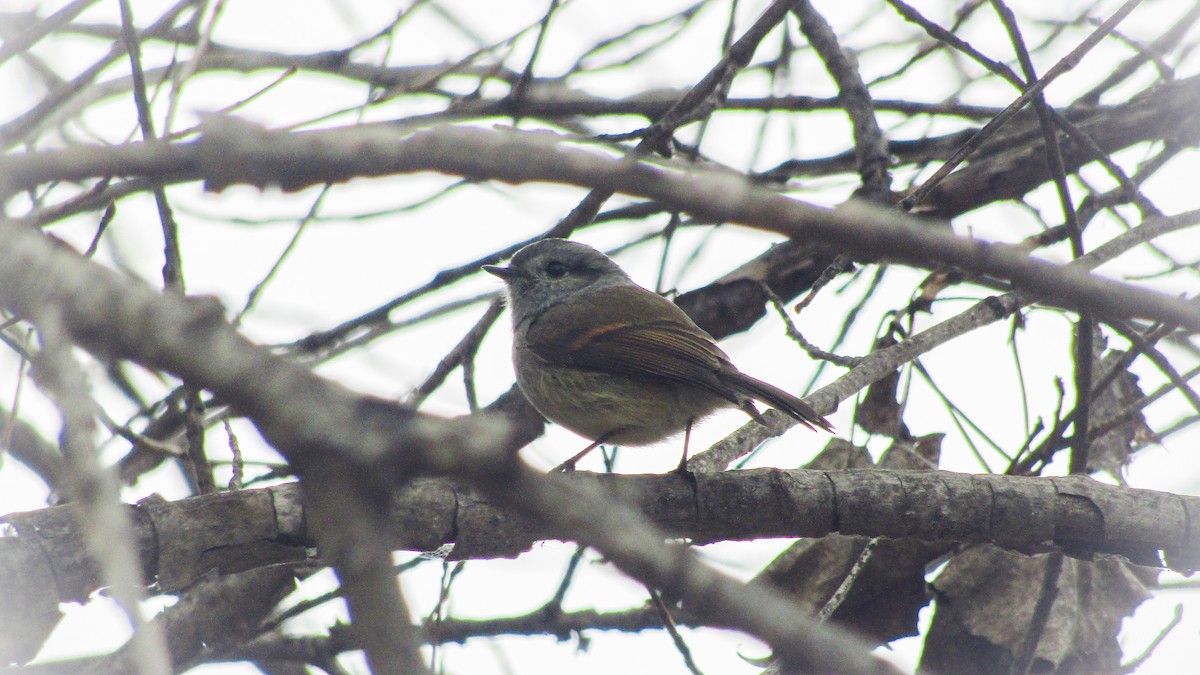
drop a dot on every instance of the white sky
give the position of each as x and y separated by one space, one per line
342 269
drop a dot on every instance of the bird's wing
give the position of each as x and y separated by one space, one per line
631 331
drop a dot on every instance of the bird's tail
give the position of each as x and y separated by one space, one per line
781 401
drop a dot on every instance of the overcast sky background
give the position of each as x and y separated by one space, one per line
344 267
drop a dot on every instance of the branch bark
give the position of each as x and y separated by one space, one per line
185 540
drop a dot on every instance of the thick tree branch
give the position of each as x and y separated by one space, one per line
230 532
119 318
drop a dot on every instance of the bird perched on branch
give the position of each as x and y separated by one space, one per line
614 362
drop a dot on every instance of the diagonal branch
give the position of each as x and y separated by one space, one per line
348 449
236 152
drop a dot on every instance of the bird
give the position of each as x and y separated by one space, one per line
615 362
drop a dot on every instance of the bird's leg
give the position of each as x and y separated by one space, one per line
569 465
687 437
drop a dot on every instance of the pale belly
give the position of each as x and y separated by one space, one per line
618 408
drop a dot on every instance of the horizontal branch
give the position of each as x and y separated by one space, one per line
234 531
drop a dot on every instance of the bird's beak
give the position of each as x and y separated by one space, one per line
505 273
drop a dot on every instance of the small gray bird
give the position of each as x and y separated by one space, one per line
613 362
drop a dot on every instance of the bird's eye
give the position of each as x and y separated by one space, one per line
556 269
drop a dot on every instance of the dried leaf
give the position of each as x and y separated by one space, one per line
1111 452
985 604
918 454
880 412
840 454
